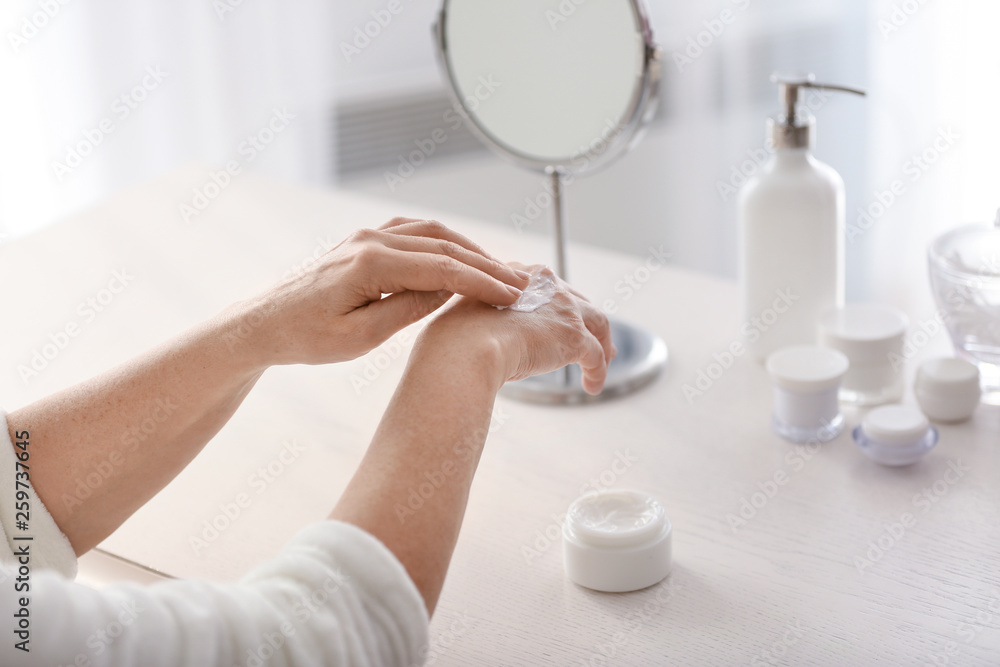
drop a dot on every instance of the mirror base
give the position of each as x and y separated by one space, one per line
641 357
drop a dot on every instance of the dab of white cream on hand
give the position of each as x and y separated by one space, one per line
539 291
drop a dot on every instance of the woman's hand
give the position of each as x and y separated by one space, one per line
335 311
568 329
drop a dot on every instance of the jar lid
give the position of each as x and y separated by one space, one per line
895 435
807 369
866 332
895 424
946 375
616 540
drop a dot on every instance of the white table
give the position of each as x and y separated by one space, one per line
783 588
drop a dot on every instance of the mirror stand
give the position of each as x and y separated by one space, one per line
641 354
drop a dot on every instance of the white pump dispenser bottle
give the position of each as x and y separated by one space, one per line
791 219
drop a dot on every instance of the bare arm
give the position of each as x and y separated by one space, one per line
438 419
104 447
140 424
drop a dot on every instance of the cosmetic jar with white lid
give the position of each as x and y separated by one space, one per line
947 390
616 540
806 383
871 336
895 435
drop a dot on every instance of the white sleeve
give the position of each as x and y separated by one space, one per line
335 595
49 547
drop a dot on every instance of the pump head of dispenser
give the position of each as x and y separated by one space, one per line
795 127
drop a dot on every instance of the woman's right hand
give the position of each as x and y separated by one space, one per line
569 329
377 281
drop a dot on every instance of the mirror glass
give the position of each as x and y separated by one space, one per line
551 83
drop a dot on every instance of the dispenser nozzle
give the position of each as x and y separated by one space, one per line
788 89
789 84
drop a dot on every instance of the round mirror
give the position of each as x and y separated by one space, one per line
565 87
561 86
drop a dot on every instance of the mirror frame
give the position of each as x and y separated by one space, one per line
642 107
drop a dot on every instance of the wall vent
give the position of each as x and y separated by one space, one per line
372 133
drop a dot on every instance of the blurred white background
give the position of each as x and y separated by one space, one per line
100 94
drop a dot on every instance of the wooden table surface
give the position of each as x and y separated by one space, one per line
782 554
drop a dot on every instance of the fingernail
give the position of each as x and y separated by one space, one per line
444 294
523 275
513 290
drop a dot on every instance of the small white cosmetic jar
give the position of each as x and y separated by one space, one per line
947 389
871 336
806 381
616 540
895 435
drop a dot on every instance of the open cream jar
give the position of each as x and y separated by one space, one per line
616 540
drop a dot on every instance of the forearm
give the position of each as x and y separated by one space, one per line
101 449
433 429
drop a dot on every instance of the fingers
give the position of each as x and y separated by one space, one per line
458 251
399 270
593 363
597 323
385 317
396 222
434 230
597 347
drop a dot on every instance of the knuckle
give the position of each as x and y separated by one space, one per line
435 227
451 249
366 253
363 235
602 322
449 269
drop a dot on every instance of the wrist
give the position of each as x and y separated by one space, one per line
244 331
469 349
